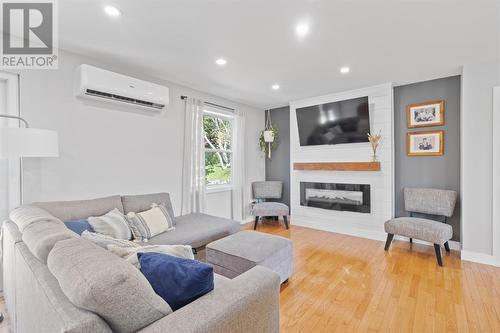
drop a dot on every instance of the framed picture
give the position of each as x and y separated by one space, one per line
425 114
425 143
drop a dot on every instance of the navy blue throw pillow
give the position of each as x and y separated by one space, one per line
178 281
79 226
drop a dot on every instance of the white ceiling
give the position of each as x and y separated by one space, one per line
380 40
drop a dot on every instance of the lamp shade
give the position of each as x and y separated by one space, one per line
28 142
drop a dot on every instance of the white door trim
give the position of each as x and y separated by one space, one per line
496 175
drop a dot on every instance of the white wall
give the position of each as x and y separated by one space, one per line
381 182
478 81
219 204
104 151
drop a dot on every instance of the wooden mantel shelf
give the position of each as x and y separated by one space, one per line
337 166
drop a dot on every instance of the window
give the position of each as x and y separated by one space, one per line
218 131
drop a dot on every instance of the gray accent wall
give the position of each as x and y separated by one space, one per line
441 172
278 167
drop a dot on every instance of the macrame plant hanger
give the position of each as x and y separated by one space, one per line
268 133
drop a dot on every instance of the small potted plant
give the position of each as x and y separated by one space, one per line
268 139
269 135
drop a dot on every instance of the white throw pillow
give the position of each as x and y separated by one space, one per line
150 223
113 224
130 253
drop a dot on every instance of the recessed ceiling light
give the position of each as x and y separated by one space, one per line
221 61
302 29
275 86
112 11
345 70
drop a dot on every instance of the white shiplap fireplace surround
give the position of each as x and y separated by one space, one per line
368 225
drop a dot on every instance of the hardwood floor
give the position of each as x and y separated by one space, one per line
348 284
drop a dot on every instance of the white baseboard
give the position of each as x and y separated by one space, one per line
456 246
381 236
248 219
370 234
481 258
346 230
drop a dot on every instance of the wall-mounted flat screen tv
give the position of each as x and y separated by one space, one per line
334 123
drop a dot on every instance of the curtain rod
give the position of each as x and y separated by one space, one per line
183 97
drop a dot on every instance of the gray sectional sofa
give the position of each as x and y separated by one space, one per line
38 301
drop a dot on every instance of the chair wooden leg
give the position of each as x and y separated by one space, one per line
388 241
286 221
447 247
411 240
437 248
256 221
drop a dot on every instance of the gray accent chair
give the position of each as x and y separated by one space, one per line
263 191
419 201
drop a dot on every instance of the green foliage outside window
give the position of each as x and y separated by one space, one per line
218 134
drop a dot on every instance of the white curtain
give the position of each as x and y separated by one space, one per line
238 168
193 174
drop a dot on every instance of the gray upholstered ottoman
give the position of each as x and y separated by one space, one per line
236 254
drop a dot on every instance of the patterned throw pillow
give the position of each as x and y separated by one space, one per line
113 224
104 241
130 253
150 223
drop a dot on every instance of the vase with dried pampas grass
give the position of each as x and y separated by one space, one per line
375 140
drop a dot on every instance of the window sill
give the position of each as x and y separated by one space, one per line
218 188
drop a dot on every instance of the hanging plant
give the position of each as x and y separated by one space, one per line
268 139
267 146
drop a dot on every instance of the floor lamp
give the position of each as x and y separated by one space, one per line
19 142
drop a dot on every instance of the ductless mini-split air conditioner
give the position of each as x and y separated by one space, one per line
103 85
